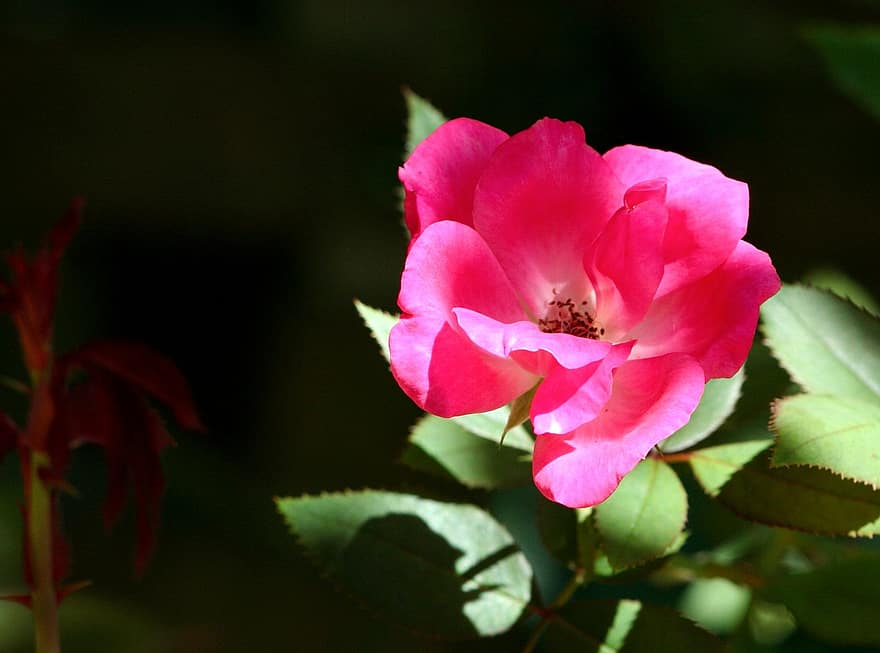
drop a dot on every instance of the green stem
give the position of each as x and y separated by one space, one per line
43 596
561 599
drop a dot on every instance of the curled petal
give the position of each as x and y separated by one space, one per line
567 399
440 176
543 198
650 399
625 264
523 341
714 319
708 212
448 266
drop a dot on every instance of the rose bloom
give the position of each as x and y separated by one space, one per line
616 283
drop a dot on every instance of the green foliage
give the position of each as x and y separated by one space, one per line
624 627
717 403
717 604
852 56
843 286
379 323
835 433
569 535
493 424
445 569
644 516
422 120
838 602
442 446
802 498
825 343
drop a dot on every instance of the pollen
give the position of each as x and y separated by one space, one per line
567 316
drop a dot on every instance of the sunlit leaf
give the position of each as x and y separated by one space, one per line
441 446
717 604
644 516
801 498
379 323
852 55
718 401
625 627
838 602
422 120
836 433
446 569
843 286
827 345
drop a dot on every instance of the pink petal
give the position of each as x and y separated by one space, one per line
714 319
650 400
625 263
440 175
708 212
566 399
438 367
543 198
524 342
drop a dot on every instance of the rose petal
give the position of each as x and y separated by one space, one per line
651 399
543 198
438 367
534 350
708 212
714 319
625 264
440 175
566 399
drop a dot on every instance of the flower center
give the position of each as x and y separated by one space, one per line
567 316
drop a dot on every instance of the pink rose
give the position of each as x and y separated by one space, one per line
618 283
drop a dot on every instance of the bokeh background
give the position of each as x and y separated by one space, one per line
239 159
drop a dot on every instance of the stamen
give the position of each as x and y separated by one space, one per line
564 316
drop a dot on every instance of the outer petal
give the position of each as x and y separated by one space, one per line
438 367
543 198
650 400
713 319
440 175
523 341
566 399
625 264
708 212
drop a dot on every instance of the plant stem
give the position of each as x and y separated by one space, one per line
44 600
561 599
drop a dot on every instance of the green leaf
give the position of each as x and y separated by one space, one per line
380 323
801 498
439 445
852 56
825 343
644 516
445 569
838 602
568 534
422 121
718 401
842 286
491 425
717 604
625 626
835 433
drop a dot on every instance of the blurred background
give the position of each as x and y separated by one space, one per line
239 159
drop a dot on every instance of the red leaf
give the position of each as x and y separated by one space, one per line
8 435
147 369
114 414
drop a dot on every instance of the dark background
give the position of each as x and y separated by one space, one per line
239 160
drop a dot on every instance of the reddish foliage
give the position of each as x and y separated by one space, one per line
96 394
